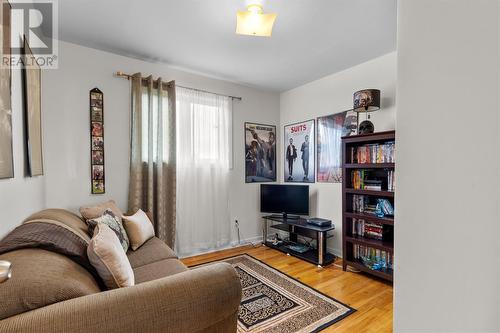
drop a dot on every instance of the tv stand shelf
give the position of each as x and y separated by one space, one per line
286 227
310 256
299 227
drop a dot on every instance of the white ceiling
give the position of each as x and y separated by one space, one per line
311 38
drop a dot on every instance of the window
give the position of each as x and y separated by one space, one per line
151 133
204 128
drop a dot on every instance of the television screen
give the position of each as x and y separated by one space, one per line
288 199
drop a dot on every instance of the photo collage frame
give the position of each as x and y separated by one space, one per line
97 141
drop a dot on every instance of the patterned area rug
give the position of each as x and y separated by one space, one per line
274 302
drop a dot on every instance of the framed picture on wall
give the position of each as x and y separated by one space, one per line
33 110
96 102
330 130
260 153
299 152
6 155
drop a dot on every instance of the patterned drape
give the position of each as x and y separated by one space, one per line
153 155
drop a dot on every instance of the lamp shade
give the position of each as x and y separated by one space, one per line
254 22
366 100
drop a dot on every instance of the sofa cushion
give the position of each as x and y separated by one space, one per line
108 258
139 228
41 278
91 212
71 220
158 270
152 251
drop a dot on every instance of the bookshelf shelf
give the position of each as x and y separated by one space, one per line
369 165
384 274
370 217
377 244
389 194
360 152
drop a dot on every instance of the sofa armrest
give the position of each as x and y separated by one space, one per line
186 302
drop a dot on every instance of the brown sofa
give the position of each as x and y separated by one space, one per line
49 292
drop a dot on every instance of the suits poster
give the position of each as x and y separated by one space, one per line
299 152
260 153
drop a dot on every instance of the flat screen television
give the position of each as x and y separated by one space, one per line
284 199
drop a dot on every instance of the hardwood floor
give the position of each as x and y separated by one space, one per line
372 298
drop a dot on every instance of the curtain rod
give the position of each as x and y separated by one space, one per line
128 77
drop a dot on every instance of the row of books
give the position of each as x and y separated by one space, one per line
361 204
374 153
373 258
365 229
379 207
360 181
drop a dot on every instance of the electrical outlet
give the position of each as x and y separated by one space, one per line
236 223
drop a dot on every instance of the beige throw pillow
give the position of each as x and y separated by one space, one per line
108 258
139 229
92 212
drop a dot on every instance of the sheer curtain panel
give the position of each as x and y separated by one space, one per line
153 154
204 127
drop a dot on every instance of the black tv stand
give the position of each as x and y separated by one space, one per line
299 227
285 216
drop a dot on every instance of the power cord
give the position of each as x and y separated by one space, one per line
237 224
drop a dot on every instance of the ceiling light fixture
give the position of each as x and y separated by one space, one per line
254 22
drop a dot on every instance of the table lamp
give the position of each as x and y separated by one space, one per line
366 100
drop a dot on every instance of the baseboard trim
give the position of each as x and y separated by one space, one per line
336 252
248 241
231 245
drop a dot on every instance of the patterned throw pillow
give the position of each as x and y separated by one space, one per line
111 220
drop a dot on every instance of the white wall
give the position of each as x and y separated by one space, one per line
66 134
21 195
330 95
447 276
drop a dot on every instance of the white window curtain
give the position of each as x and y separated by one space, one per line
204 158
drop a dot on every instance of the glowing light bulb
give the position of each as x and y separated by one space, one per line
254 22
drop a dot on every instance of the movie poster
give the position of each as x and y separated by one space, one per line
330 131
299 152
260 153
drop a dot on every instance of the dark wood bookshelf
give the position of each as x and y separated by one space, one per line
349 239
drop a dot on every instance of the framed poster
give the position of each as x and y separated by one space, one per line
330 130
33 110
299 152
6 156
97 141
260 153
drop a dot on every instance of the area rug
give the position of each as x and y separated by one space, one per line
275 302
